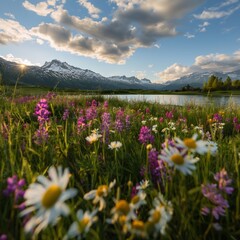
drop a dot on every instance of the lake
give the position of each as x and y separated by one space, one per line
181 99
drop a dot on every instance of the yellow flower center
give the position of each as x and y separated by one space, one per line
156 216
122 219
83 223
190 143
138 225
122 206
177 159
101 190
135 199
51 196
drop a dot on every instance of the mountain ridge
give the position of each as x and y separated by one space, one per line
62 75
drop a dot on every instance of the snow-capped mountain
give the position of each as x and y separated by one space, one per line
57 74
62 75
132 79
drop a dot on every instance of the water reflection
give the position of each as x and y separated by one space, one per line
181 99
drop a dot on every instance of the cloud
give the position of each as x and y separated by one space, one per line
150 65
189 36
40 8
135 24
10 15
92 10
63 40
207 63
12 31
211 14
39 41
157 45
140 74
173 72
11 58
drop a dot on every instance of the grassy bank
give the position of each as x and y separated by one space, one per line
132 170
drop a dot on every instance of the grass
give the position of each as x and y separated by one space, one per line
62 142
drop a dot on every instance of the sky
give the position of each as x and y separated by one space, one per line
160 40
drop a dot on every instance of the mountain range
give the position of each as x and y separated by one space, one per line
57 74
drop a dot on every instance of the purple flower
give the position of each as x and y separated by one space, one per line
217 204
217 117
169 115
224 181
145 135
41 111
105 105
65 114
105 127
3 237
15 187
119 125
81 124
41 135
127 122
91 113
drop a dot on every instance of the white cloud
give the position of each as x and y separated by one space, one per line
140 74
209 14
11 58
10 15
189 36
205 24
150 66
40 8
12 31
173 72
207 63
40 41
157 45
92 10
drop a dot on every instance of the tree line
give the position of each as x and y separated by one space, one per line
215 83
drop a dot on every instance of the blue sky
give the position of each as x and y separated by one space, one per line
156 39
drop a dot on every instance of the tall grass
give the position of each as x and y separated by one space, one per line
92 165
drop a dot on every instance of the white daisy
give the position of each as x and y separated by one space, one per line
138 228
161 214
98 195
122 209
82 225
192 144
115 145
93 138
138 200
180 160
212 147
47 198
144 184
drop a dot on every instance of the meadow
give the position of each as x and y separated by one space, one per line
88 168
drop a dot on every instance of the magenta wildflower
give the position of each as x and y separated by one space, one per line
127 122
217 117
91 113
65 114
81 124
3 237
41 135
169 115
41 111
105 127
145 135
217 204
105 105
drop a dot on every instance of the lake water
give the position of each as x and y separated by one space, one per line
182 99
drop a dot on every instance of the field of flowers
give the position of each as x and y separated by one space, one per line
91 168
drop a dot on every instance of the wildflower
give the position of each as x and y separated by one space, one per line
115 145
65 114
127 122
193 145
154 129
82 225
149 147
99 194
93 138
41 135
161 214
138 200
145 135
179 159
14 186
119 125
105 127
81 124
144 184
42 112
3 237
169 115
122 208
138 228
91 113
47 198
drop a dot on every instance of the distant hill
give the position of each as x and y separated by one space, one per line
57 74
